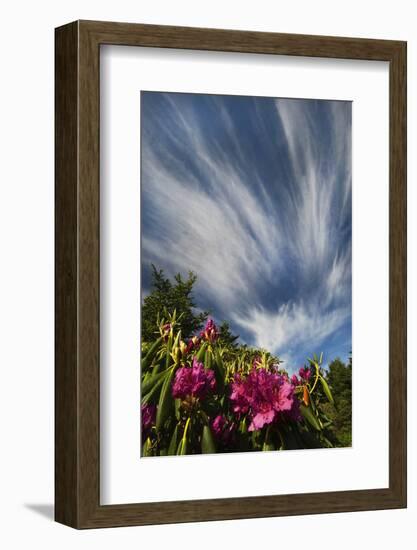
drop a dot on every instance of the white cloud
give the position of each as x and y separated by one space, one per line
228 229
292 326
320 177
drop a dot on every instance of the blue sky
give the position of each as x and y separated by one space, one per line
254 196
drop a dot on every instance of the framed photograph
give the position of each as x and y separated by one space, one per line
230 274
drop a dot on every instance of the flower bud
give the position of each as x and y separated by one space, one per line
183 347
176 354
306 396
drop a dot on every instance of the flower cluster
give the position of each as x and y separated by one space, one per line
223 429
148 418
192 344
195 381
265 395
304 373
205 394
210 331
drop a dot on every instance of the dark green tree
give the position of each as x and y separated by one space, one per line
226 337
169 296
339 378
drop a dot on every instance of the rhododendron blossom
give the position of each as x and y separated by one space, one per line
210 331
195 381
223 430
295 381
265 396
192 344
305 373
148 418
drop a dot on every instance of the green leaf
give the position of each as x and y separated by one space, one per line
327 424
312 404
326 390
218 363
209 407
182 447
168 352
147 360
177 339
207 359
146 449
201 352
207 442
166 401
177 405
173 444
154 390
243 428
290 439
308 415
148 383
268 446
146 377
310 440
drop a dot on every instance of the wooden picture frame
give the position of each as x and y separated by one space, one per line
77 374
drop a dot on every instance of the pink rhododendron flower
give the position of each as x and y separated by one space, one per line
305 373
294 380
192 344
265 396
148 418
210 331
223 430
218 424
195 381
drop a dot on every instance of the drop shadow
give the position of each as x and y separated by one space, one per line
45 510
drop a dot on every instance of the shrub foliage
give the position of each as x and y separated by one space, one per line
203 392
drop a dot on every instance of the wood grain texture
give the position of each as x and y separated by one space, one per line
66 237
78 285
398 273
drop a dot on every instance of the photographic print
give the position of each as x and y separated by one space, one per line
246 275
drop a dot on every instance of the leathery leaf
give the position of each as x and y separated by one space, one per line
166 401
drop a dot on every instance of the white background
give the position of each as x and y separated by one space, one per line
126 478
26 299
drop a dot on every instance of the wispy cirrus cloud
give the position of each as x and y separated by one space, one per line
253 195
